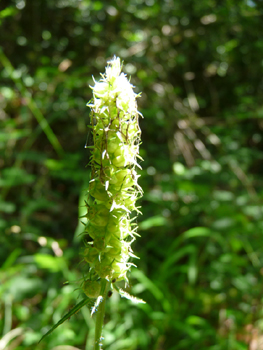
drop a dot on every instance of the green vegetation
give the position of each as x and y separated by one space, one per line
199 67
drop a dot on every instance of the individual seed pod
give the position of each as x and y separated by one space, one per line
116 216
119 161
95 231
119 228
117 249
91 288
98 215
99 244
113 145
91 255
122 175
97 190
115 124
104 267
128 201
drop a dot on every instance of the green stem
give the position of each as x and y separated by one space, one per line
100 315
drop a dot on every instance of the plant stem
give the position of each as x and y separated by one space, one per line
100 315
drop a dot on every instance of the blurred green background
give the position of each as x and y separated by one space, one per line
199 66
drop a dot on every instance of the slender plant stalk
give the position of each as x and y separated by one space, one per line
100 315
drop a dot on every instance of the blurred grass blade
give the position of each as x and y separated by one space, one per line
31 104
192 270
73 311
173 258
153 288
154 221
9 336
10 261
197 232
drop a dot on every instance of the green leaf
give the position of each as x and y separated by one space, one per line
187 250
11 258
15 177
153 222
52 263
197 232
9 11
7 207
73 311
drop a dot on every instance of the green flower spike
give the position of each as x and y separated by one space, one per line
113 188
113 191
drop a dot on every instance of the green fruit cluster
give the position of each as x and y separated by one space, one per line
113 186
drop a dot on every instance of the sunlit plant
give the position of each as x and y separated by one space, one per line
113 191
113 188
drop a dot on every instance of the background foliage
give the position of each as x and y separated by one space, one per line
199 66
